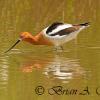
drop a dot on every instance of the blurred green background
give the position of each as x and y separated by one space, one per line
25 67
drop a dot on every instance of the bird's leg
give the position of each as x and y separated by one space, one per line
61 47
55 49
58 48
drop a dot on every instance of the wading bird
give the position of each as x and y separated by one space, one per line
55 35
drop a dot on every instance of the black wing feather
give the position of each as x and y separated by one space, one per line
65 31
53 26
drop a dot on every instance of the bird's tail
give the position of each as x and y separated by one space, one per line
85 24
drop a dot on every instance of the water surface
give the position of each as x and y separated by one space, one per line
27 66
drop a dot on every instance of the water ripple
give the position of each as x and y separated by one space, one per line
3 71
64 69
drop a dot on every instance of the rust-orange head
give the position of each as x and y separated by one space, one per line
23 36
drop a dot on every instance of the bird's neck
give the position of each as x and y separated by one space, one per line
31 40
38 40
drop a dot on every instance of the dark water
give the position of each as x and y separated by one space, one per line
27 66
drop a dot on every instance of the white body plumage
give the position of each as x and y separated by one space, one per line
61 33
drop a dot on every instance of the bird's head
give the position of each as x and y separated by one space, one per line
24 36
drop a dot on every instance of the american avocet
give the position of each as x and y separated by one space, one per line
56 34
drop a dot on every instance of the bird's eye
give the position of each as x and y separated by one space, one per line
21 36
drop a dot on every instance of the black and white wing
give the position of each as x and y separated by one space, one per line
60 29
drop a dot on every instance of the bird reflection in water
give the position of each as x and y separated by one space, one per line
58 67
